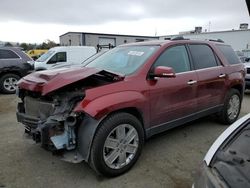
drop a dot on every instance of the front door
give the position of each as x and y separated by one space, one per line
173 98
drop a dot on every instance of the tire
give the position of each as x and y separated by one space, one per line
231 108
8 83
125 150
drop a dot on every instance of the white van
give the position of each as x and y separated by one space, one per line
64 55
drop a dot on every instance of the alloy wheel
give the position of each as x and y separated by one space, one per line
233 107
10 84
120 146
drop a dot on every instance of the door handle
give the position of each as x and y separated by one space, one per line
222 76
191 82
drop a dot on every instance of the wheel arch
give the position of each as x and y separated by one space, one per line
10 72
130 110
240 88
90 126
133 111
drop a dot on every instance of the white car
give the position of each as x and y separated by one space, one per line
227 163
64 56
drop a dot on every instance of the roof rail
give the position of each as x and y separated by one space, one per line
179 38
218 40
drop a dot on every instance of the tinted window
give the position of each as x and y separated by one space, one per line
203 56
61 57
58 57
229 54
175 57
8 54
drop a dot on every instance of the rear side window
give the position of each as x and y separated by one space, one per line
203 56
175 57
229 54
8 54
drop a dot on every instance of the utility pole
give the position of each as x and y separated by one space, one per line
209 25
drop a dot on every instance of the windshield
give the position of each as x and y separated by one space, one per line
45 56
91 58
123 60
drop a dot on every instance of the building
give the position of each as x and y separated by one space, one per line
100 39
238 39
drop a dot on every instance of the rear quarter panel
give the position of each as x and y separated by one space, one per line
236 75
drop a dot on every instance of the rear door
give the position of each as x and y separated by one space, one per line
9 59
211 76
173 98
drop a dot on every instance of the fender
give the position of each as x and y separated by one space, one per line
97 109
86 131
101 106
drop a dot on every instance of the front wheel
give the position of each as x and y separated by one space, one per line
117 144
231 108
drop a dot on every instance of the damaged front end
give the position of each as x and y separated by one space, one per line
50 120
48 99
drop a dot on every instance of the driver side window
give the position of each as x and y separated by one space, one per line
175 57
58 57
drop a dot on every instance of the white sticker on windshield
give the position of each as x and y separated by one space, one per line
135 53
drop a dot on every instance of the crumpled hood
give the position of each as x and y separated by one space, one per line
50 80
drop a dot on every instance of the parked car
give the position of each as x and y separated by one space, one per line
64 55
14 64
247 77
102 113
246 60
242 56
36 53
84 63
227 162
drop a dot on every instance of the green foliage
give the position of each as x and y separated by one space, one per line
47 44
28 46
8 44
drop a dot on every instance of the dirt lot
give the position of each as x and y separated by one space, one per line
168 160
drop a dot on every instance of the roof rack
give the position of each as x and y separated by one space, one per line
218 40
179 38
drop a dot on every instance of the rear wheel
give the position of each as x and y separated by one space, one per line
231 108
117 144
8 83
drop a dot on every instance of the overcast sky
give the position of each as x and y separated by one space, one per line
35 21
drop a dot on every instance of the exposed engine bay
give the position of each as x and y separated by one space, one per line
50 119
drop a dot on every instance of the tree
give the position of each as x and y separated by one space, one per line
24 46
47 44
8 44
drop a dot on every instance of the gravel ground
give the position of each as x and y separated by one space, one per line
168 160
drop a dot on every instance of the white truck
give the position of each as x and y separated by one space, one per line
64 55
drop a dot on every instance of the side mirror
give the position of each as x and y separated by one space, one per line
247 59
163 72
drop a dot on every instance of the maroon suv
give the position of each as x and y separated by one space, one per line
102 113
